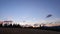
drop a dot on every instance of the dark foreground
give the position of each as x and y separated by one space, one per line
25 31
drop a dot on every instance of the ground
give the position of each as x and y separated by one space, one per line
25 31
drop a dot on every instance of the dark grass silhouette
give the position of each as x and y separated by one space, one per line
25 31
53 28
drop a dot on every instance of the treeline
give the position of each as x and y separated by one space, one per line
15 26
11 26
54 28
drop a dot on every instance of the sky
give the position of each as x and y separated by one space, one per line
31 11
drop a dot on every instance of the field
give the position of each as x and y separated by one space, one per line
25 31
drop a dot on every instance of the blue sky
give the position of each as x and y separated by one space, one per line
29 10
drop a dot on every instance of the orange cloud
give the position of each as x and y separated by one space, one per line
49 25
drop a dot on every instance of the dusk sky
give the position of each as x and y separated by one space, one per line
29 10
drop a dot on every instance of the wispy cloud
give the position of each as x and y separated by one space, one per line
53 21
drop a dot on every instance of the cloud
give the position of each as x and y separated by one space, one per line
51 21
48 15
49 25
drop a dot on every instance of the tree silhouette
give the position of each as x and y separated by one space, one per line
0 25
16 25
10 25
5 25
